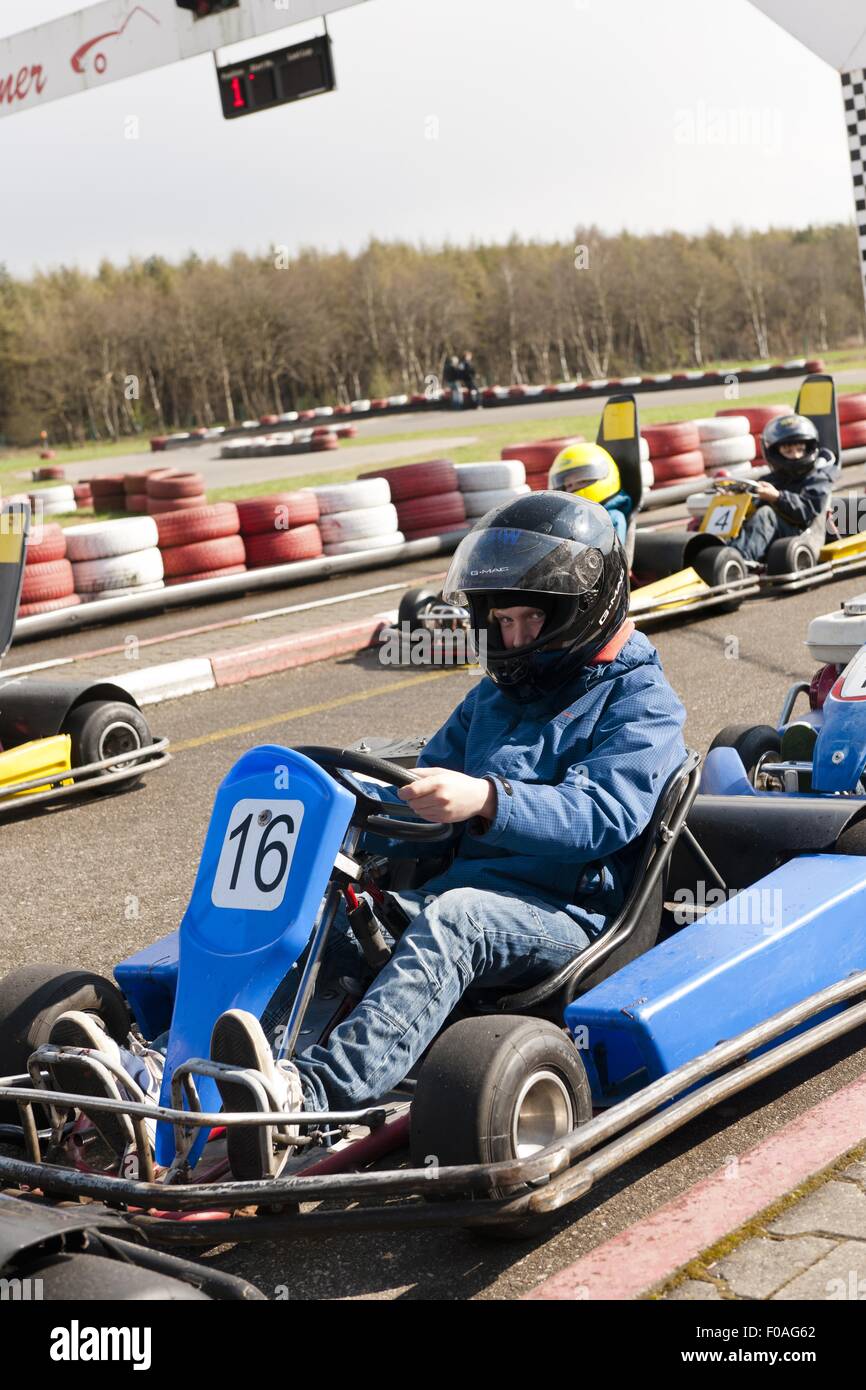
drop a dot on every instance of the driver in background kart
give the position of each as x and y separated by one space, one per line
548 770
590 471
795 492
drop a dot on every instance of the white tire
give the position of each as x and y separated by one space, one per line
122 593
644 450
350 497
55 508
477 503
321 411
720 453
483 477
118 571
732 470
697 502
722 427
360 405
350 526
630 380
647 472
365 543
288 417
398 400
99 539
62 493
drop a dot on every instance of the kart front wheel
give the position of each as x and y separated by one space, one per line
751 741
101 729
413 604
33 997
720 566
493 1089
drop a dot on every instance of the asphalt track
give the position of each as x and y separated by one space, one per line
90 882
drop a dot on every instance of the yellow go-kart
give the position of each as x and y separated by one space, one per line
59 738
700 569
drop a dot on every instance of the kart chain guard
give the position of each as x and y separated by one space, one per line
277 825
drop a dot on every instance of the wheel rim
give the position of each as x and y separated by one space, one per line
543 1113
116 739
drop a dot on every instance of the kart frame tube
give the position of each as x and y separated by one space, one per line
567 1181
143 760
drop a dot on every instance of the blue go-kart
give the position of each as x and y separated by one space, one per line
524 1099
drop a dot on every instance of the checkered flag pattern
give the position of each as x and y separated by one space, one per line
854 97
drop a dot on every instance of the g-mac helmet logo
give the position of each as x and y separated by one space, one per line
100 62
499 569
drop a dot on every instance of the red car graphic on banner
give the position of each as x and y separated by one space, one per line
100 62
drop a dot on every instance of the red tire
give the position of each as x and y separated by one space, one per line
673 467
427 531
30 610
52 546
218 554
107 486
193 524
206 574
853 435
135 483
678 437
324 441
136 502
45 475
48 581
175 485
423 512
346 431
306 414
158 443
429 479
757 415
538 457
815 364
282 547
851 407
82 494
269 419
280 511
156 505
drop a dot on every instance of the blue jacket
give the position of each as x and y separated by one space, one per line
801 499
584 776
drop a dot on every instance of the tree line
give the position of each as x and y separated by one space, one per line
157 346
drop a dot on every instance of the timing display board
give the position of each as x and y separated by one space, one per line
272 79
120 38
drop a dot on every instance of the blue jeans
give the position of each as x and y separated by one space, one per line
463 937
759 532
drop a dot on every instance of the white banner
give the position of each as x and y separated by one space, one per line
119 38
835 30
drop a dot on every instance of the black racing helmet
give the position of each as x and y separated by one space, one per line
551 550
791 429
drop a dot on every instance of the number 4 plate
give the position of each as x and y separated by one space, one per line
256 854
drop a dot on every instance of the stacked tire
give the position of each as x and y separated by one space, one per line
727 444
48 582
54 501
280 528
426 496
758 417
357 516
169 491
674 452
852 420
201 543
537 458
108 493
488 485
113 558
135 491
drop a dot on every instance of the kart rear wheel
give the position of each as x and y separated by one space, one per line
100 729
498 1088
33 997
93 1278
751 741
791 555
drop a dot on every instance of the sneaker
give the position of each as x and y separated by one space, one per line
86 1032
239 1039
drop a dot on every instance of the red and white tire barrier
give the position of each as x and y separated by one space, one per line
48 582
113 556
200 542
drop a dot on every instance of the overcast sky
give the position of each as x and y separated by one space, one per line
625 113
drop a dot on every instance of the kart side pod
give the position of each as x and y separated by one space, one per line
277 825
794 932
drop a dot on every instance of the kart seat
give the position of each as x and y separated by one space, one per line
637 926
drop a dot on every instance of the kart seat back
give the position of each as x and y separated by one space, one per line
636 928
276 827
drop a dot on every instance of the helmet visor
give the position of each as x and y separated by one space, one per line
502 557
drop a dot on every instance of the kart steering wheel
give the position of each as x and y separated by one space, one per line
371 814
723 485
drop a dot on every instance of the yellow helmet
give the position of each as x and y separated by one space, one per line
585 469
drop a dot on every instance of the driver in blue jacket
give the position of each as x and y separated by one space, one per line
548 770
796 491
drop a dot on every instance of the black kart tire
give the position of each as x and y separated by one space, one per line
790 555
751 741
495 1088
719 565
412 604
95 1279
101 728
33 997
